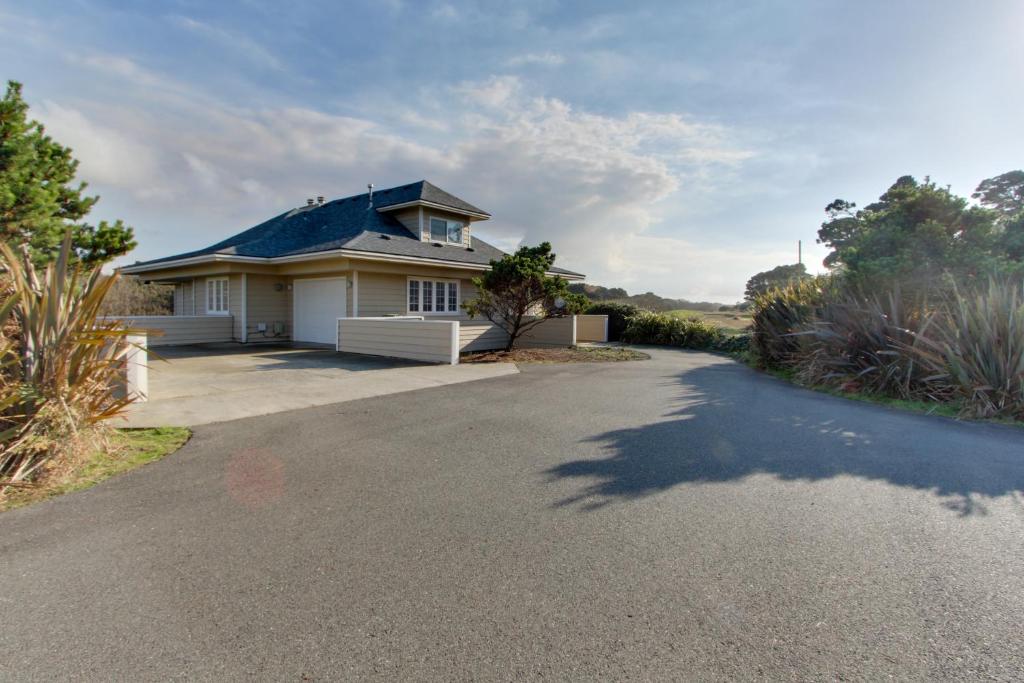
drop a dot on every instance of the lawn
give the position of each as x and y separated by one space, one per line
730 322
124 450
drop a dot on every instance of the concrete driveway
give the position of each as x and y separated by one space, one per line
194 385
681 518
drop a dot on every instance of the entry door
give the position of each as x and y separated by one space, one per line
317 306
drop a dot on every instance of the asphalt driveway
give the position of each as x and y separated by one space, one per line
680 518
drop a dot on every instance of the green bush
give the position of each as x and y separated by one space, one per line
618 316
780 314
659 328
975 345
733 343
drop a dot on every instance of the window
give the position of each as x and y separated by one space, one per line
217 295
414 296
442 230
433 296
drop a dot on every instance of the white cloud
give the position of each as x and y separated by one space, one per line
537 58
592 184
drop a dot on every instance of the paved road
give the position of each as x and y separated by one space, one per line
681 517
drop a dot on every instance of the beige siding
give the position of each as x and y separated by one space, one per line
168 330
437 213
381 294
481 336
178 308
592 328
410 218
269 303
551 332
433 341
235 305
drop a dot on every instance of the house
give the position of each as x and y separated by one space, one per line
404 251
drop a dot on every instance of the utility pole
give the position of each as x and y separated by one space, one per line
799 252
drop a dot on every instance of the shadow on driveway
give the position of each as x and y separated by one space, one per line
751 424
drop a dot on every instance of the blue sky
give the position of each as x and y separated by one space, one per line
674 147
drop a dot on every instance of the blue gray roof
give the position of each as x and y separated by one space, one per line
350 223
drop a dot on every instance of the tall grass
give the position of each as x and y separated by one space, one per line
61 364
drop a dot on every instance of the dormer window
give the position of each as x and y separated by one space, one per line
443 230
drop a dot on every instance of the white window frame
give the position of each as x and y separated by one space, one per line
226 292
433 286
464 224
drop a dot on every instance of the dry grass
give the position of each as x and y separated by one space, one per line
97 454
579 354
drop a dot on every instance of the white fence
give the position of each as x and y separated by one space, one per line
591 328
414 338
170 330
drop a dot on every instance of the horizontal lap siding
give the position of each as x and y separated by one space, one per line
269 302
412 339
180 329
551 332
592 328
481 336
381 294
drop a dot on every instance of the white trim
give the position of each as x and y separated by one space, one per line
245 309
421 279
430 233
355 293
432 205
227 295
364 255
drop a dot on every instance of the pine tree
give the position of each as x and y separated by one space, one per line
39 198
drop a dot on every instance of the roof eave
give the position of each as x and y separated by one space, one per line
482 215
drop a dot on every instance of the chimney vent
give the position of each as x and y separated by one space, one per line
319 201
310 201
369 187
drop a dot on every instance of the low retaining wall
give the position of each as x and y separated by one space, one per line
413 338
559 332
591 328
170 330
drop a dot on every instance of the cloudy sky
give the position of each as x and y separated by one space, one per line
675 147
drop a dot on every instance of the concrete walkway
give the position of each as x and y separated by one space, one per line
200 385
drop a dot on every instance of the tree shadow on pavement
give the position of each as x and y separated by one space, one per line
751 424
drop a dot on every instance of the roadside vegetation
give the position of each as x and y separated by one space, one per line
109 453
924 305
60 362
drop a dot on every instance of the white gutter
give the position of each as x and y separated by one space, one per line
365 255
433 205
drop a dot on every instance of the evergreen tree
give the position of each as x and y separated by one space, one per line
39 199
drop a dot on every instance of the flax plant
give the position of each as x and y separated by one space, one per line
60 362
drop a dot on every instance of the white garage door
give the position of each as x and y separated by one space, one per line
318 305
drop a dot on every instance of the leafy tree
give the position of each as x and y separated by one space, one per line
517 294
777 277
916 234
1004 193
39 200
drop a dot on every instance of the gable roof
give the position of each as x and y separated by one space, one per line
351 224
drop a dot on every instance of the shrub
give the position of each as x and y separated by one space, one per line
618 317
60 363
976 345
781 313
659 328
734 343
863 343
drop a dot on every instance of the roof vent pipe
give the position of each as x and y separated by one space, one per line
319 201
369 186
310 201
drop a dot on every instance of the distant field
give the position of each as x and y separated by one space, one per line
731 322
